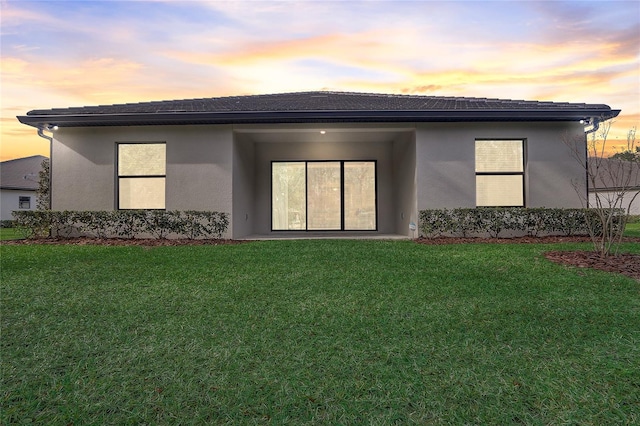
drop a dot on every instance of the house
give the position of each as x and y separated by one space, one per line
614 183
18 184
316 161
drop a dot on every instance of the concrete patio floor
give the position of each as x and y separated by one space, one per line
326 235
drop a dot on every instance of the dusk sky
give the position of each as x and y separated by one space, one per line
75 53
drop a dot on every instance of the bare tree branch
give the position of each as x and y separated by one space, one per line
610 188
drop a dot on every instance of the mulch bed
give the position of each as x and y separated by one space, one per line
626 264
517 240
623 263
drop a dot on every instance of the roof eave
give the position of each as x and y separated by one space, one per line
301 116
18 188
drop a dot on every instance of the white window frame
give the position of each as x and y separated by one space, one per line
24 199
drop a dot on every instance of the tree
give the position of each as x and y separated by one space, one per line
629 154
616 179
44 186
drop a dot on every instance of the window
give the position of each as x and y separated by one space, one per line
288 187
323 195
141 175
24 203
359 195
500 173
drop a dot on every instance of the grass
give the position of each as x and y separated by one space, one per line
10 234
632 230
315 332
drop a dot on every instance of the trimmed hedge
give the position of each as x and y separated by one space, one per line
492 221
122 223
6 224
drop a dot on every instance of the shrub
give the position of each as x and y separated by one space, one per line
519 221
32 223
434 223
122 223
128 223
6 223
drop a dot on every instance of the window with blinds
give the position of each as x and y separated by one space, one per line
499 173
141 175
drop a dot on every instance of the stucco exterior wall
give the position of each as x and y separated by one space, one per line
404 184
244 188
445 156
82 169
199 166
227 168
10 201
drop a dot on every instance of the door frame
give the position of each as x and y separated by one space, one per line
342 200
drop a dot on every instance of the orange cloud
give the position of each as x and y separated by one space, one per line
82 80
409 59
401 60
18 140
429 88
365 50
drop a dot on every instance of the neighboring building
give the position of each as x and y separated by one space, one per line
18 184
316 161
617 184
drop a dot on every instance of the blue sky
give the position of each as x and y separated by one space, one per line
70 53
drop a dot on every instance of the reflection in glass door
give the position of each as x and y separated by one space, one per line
359 195
288 198
324 195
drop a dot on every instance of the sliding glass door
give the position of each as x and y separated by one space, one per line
359 195
323 195
288 200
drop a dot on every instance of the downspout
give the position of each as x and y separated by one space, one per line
50 139
596 126
586 162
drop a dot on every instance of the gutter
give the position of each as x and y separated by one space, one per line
596 124
309 116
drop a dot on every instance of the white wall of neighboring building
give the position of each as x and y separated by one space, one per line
610 198
10 201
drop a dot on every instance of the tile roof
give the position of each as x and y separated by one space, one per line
21 173
310 106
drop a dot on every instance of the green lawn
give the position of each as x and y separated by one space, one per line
315 332
10 234
632 230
